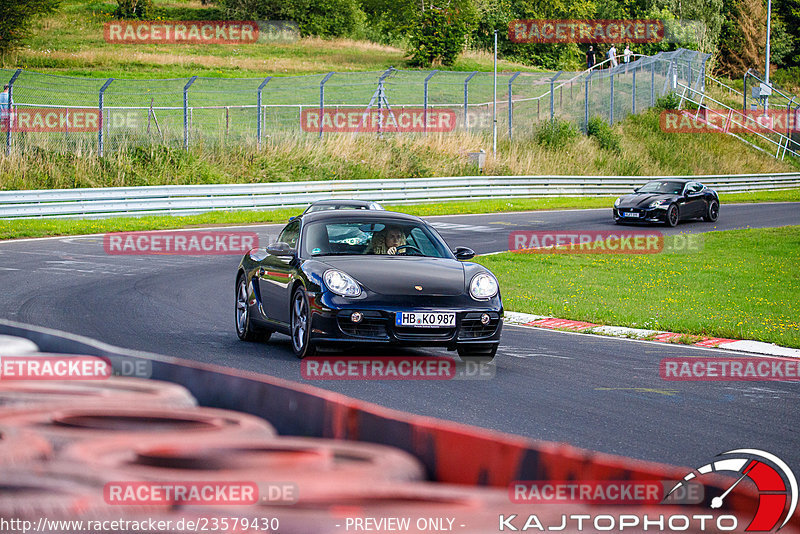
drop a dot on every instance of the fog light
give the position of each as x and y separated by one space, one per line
356 317
485 319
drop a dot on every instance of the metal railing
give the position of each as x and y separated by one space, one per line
192 199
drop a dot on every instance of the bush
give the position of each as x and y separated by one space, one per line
16 18
437 37
606 137
134 9
557 133
324 18
668 101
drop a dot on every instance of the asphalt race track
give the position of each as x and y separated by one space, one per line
594 392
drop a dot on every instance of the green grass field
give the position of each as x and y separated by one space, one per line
744 284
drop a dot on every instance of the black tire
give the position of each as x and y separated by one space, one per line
300 325
712 214
477 352
673 216
244 325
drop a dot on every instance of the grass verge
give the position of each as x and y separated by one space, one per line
744 284
10 229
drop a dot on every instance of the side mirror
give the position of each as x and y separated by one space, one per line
292 218
464 253
280 249
636 189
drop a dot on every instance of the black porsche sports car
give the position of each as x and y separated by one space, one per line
668 201
347 277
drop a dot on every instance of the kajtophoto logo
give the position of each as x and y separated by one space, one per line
774 481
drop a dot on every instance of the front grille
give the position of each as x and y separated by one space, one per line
471 327
411 333
373 326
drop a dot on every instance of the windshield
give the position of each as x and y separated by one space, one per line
365 238
658 186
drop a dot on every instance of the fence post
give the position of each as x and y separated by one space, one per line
466 95
8 119
611 99
322 99
652 84
510 103
100 107
382 97
586 104
186 112
552 103
258 110
633 98
425 99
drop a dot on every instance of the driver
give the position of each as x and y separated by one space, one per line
388 240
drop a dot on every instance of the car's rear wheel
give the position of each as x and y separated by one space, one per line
244 325
301 325
477 352
712 214
673 216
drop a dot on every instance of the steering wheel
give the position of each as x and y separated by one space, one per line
399 247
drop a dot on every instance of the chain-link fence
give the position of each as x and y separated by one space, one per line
104 115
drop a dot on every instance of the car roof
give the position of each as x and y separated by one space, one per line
677 180
343 202
335 215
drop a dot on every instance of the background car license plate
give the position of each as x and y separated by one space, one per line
630 214
426 319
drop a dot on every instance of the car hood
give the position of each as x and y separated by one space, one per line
398 275
642 200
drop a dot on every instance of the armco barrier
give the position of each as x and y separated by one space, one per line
452 453
192 199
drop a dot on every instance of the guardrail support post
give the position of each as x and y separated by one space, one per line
322 99
511 103
552 102
100 122
611 99
8 119
425 99
186 112
466 95
258 110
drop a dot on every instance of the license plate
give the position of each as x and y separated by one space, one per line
426 319
629 214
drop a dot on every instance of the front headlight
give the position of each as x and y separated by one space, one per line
656 204
341 283
616 202
483 286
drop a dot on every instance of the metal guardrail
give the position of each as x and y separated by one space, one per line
192 199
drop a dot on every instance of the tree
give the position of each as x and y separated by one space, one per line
16 18
744 37
437 37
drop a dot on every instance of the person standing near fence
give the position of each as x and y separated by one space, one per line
612 55
590 59
627 54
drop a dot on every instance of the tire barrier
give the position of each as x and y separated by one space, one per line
19 446
314 464
70 424
112 391
16 346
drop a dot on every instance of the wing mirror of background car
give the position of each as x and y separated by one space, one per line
636 189
280 249
464 253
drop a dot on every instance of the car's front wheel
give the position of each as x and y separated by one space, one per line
244 326
673 216
477 352
712 214
301 325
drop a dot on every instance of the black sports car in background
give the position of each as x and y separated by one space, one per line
346 277
668 201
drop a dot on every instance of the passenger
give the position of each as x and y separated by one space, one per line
388 240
